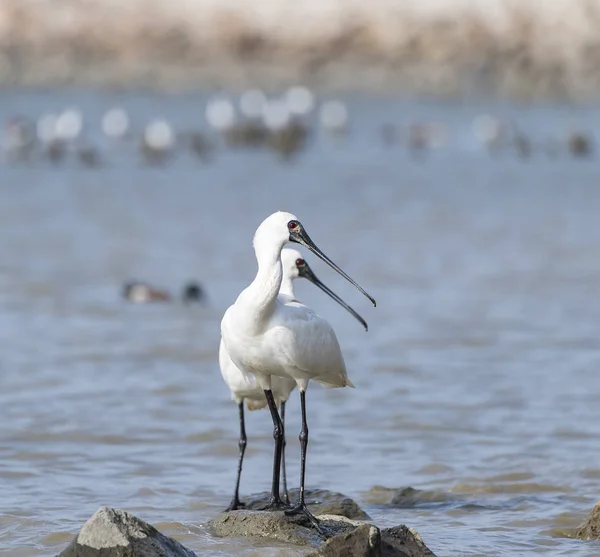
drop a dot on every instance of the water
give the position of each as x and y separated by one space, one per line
477 381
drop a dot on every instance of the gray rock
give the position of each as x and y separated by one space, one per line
410 497
590 529
319 501
116 533
402 541
277 526
344 537
363 541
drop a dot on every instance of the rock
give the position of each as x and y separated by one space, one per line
116 533
319 501
590 529
296 530
364 541
344 537
402 541
410 497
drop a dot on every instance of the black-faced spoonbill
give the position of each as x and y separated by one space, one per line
265 337
246 389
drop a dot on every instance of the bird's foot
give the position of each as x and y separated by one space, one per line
302 509
235 505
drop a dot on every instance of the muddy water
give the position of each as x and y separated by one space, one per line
476 383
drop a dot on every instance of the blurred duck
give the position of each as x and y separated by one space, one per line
116 124
88 155
491 132
220 114
193 292
247 131
300 101
424 136
53 148
286 133
143 293
200 145
18 139
522 145
251 104
333 116
68 126
158 142
580 144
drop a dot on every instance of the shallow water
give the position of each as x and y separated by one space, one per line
477 381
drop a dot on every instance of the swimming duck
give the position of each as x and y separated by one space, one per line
143 293
193 292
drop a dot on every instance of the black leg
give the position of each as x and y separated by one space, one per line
286 497
300 507
275 502
235 502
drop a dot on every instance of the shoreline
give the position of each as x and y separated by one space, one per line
350 76
511 53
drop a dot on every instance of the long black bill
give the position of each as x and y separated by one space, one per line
301 237
306 272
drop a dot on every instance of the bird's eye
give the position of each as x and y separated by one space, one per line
300 263
293 225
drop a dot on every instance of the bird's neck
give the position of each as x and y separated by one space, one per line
287 287
261 295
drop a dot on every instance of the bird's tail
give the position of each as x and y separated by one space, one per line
328 384
255 404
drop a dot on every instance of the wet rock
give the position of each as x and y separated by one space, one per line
368 541
296 529
116 533
409 497
319 501
343 537
402 541
590 529
406 497
364 541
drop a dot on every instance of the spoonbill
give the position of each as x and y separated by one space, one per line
265 337
245 388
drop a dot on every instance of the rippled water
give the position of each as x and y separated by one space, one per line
477 381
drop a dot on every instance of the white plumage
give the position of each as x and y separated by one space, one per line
267 336
244 387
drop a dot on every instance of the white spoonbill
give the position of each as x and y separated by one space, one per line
245 388
266 337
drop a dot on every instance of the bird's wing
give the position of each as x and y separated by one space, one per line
308 343
237 381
